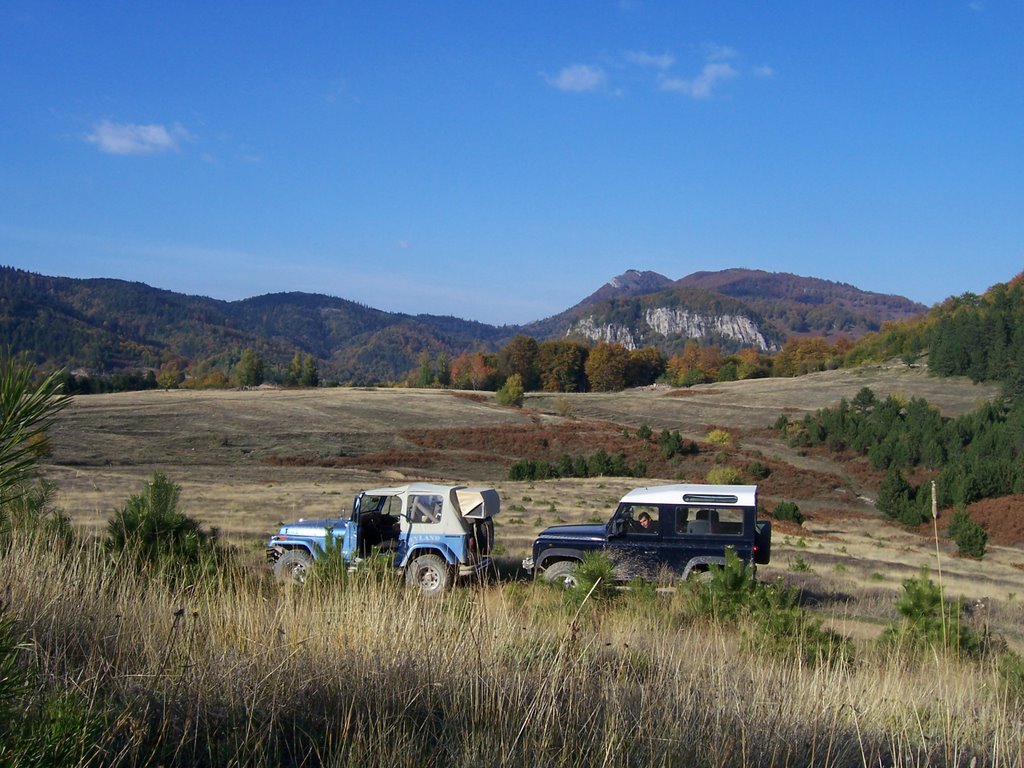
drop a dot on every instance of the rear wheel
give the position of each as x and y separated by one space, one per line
563 572
293 566
430 574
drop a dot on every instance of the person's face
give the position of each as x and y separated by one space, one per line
645 522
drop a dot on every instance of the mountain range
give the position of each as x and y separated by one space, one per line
105 325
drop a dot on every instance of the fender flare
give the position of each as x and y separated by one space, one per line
436 548
559 553
701 563
310 546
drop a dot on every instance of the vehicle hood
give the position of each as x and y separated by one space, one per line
591 531
311 527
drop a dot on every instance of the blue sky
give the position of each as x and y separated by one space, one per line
500 161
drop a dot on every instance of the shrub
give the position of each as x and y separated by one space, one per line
644 432
1011 673
329 568
929 622
563 407
757 470
150 529
595 580
672 444
511 392
26 413
30 512
969 536
724 476
788 510
728 592
719 437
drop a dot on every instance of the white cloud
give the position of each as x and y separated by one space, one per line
764 71
702 86
131 139
578 78
643 59
715 52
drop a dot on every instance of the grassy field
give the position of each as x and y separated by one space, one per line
247 460
233 670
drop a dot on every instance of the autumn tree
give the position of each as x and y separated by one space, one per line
249 369
606 367
425 372
644 366
444 369
309 375
169 376
294 372
472 371
562 366
520 356
749 364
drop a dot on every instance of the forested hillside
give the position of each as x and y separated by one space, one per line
110 327
977 456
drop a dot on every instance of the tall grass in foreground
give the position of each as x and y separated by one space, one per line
134 669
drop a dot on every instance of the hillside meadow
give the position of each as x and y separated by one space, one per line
231 669
248 460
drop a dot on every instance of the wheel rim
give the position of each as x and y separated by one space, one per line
298 573
429 579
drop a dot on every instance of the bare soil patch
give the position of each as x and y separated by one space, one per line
1002 519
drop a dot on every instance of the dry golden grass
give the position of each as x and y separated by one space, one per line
236 672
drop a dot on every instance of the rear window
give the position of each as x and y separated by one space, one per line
710 521
426 508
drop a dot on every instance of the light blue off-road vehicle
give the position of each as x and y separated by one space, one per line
433 533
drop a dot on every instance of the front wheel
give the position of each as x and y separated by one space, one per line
293 566
430 574
563 572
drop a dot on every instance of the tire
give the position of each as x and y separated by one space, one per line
701 576
563 572
431 574
293 566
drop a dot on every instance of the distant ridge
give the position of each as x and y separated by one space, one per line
105 325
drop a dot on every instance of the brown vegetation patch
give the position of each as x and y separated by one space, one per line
392 458
1002 519
537 440
692 392
473 397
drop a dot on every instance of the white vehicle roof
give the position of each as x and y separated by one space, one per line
694 493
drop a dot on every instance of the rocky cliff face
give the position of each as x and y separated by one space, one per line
668 322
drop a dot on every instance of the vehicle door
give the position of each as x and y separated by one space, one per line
637 549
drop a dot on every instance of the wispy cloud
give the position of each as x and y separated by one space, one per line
703 85
721 63
644 59
132 139
578 78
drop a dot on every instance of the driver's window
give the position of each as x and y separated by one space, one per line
644 519
426 508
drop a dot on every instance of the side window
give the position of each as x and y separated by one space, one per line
713 521
644 519
426 508
392 506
